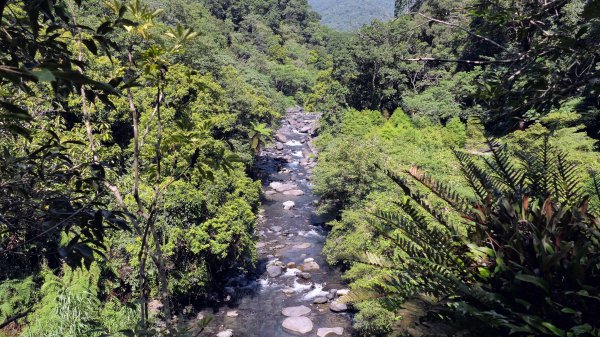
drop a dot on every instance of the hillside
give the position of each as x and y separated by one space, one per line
350 15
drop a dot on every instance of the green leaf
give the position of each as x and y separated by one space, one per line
44 75
537 281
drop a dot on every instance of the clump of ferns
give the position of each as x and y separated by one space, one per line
530 261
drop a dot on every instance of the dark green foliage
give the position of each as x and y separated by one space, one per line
529 264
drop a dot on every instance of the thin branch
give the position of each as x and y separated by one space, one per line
463 29
433 59
15 317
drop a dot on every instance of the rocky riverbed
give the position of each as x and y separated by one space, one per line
296 291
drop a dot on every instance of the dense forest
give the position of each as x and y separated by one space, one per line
457 156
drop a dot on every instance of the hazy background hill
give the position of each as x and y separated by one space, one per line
351 14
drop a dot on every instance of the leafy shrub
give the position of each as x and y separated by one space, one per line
530 263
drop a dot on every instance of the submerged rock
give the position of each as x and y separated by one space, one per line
295 193
304 245
297 325
320 300
330 332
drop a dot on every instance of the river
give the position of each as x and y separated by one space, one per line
292 272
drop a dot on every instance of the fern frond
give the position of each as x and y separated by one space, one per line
507 175
567 183
440 189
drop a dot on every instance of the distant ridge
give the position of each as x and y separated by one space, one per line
347 15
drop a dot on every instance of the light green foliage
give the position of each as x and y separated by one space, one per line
69 304
16 296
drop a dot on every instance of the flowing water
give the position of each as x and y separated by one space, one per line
284 236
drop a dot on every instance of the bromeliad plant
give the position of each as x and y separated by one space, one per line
529 263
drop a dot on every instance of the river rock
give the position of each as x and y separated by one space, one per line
288 205
232 313
281 138
296 311
282 187
336 306
330 332
295 193
260 245
274 271
291 265
304 275
305 129
225 333
279 146
304 245
288 291
308 266
320 300
342 292
309 259
297 325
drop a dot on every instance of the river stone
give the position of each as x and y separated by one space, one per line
309 259
296 311
274 271
271 192
304 275
276 228
295 193
291 265
279 146
297 325
342 292
308 266
336 306
225 333
260 245
281 138
330 332
232 313
304 245
288 291
320 300
282 187
288 205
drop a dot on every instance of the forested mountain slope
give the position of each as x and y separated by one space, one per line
460 150
347 15
128 133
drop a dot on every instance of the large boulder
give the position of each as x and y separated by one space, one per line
296 311
297 325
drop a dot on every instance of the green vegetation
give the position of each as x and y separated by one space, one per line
458 147
128 132
476 246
